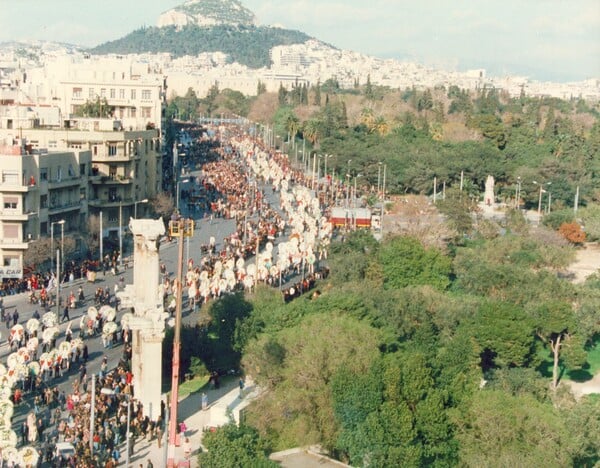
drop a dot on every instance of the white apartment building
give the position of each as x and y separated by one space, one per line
136 90
38 190
121 171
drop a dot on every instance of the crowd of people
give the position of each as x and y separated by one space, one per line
229 186
232 187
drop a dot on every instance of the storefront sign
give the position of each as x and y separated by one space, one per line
11 272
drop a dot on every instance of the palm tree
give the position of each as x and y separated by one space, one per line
312 131
292 124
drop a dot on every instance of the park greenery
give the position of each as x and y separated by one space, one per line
457 352
415 356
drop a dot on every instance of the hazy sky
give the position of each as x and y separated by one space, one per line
556 40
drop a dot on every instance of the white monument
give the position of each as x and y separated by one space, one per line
489 197
148 321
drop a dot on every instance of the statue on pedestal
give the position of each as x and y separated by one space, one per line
489 197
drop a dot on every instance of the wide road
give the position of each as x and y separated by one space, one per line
205 229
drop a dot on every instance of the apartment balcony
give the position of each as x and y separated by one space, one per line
12 186
64 207
111 180
107 203
17 215
119 157
13 244
64 182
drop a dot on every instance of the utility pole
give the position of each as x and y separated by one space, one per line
93 413
178 228
57 285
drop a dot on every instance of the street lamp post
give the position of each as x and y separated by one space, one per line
355 178
540 196
57 285
120 235
62 243
135 204
184 181
62 238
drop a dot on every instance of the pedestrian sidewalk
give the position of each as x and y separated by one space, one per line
226 397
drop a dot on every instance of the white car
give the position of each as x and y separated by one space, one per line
64 450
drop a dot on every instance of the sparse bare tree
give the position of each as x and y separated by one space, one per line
93 233
38 252
163 205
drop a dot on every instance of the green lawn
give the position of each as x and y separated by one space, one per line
192 386
588 371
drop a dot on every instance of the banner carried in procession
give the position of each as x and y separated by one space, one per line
11 272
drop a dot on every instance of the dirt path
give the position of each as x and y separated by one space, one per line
586 263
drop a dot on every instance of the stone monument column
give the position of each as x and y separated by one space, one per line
148 321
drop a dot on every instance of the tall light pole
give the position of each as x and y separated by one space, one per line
355 178
540 196
62 243
184 181
135 204
518 193
57 285
120 234
62 223
347 190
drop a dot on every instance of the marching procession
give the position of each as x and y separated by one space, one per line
279 244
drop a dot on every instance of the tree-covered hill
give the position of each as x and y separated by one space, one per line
248 45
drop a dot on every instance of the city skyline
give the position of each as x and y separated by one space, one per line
546 40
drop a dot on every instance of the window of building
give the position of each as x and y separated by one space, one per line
43 173
58 173
82 169
10 261
146 112
44 201
11 203
10 231
10 177
132 113
112 171
91 93
113 215
71 170
77 93
146 94
121 112
44 227
52 144
121 94
133 94
82 193
102 92
113 93
112 194
112 150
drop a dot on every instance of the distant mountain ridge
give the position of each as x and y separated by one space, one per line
207 13
246 45
198 26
